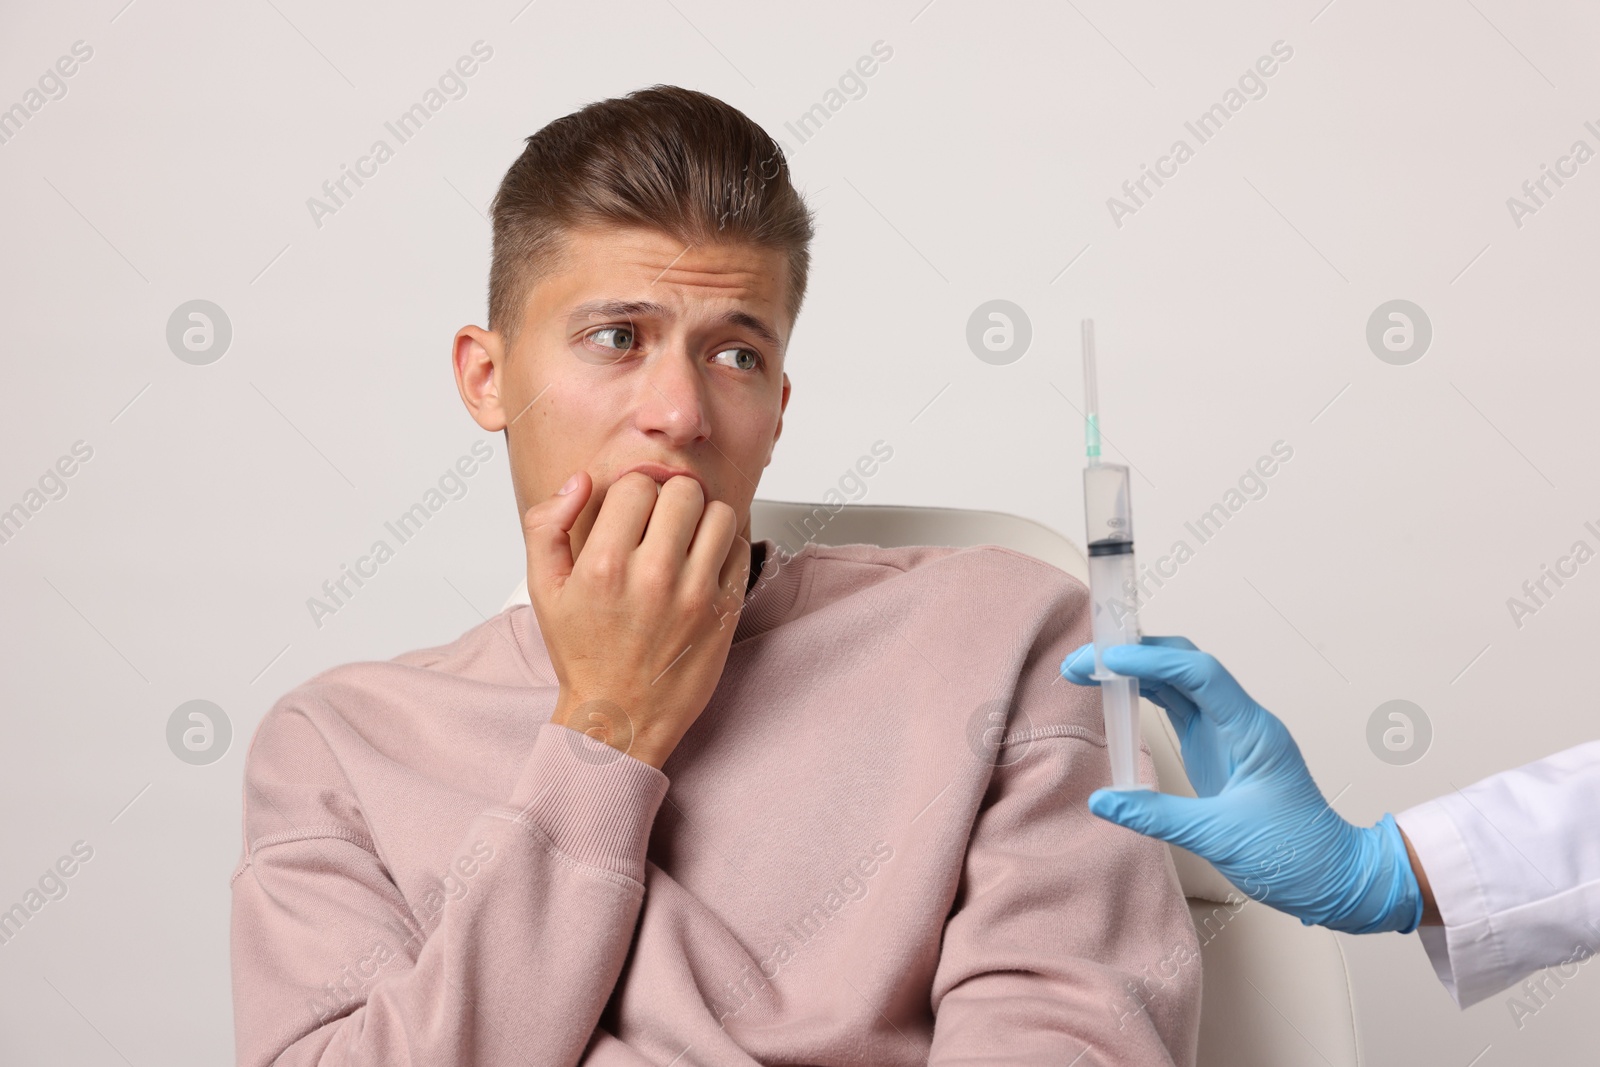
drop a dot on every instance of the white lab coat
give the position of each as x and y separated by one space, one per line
1514 863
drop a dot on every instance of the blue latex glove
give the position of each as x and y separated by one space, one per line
1259 818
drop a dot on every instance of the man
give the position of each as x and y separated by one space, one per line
701 802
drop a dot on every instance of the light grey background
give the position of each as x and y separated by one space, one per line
1231 312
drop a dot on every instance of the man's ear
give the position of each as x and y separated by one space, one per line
477 358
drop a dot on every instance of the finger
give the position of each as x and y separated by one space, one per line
678 510
1179 708
625 509
734 578
1079 664
1176 820
715 552
1169 642
1196 675
546 528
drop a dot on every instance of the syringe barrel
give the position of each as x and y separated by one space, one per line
1114 591
1107 503
1114 594
1113 576
1119 696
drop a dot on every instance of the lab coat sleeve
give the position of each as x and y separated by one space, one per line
1514 863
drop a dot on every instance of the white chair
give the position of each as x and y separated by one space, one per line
1274 992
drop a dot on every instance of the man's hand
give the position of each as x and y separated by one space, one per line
1259 817
639 625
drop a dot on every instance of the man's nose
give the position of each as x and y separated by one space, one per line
673 402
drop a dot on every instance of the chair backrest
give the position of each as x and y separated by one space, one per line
1275 992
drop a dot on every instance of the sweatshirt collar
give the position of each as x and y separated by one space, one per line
772 599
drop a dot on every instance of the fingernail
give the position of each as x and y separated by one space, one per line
572 483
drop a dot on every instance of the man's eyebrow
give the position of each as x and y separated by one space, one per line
627 309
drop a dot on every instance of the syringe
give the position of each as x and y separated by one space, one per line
1113 589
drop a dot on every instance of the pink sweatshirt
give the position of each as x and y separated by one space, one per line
840 863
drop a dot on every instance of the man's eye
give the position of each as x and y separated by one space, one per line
624 332
755 357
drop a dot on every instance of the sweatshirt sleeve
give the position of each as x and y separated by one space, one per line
510 962
1069 940
1514 863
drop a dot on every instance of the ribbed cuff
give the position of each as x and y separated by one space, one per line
596 804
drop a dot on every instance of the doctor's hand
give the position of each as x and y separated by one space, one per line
1258 818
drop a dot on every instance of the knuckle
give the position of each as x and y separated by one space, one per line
534 517
604 566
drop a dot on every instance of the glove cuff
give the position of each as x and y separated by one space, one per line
1393 900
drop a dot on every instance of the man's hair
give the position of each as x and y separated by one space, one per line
663 158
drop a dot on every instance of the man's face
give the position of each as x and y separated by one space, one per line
639 351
